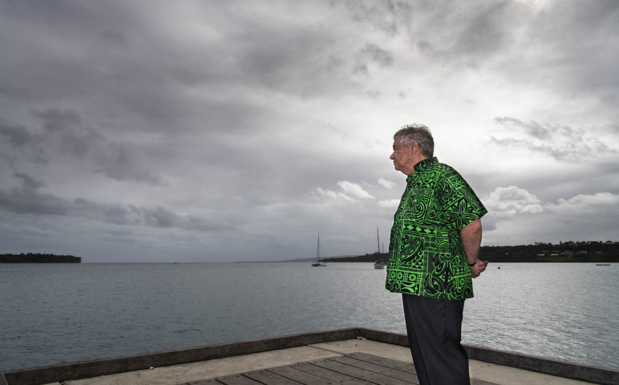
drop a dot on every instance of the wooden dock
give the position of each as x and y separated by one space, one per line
343 356
355 368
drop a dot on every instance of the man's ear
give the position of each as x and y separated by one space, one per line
415 147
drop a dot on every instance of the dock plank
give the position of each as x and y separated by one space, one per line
203 382
300 376
237 379
271 378
481 382
351 369
409 376
387 362
361 374
314 369
406 367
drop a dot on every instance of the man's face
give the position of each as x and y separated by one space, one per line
402 157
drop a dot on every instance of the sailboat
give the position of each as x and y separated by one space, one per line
379 264
318 263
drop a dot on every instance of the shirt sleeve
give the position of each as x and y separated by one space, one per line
461 205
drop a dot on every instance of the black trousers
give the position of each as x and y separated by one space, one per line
434 329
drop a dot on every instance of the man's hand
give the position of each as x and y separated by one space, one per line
478 268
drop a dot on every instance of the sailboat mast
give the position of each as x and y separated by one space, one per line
318 263
377 240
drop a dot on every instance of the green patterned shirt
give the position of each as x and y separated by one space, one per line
426 256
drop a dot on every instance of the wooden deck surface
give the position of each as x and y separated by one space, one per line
355 368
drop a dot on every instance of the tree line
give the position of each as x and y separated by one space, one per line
590 251
38 258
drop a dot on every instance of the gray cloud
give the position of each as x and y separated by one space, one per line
29 183
563 143
65 130
380 56
386 16
471 35
162 129
63 133
20 138
518 39
590 61
27 199
116 162
550 49
533 128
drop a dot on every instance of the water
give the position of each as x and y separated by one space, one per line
53 314
565 311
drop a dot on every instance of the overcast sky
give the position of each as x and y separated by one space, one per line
199 131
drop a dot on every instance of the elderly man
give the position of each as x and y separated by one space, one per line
433 250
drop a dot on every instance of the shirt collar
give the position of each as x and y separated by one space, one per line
426 163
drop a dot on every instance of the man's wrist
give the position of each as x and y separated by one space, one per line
472 264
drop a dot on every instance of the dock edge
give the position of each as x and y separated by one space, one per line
107 366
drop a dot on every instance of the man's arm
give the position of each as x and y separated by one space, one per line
471 240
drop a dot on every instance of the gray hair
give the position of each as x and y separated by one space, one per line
416 133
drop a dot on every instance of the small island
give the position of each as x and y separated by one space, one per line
38 258
600 252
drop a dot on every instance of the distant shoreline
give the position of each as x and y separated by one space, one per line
594 252
577 252
38 258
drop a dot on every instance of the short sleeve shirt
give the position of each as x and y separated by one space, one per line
426 256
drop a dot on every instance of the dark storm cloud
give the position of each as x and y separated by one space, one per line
378 55
583 40
113 213
27 199
17 136
65 130
568 48
563 143
445 30
12 91
484 32
467 34
361 68
117 162
157 217
533 128
50 65
125 56
29 183
275 55
63 133
374 94
384 15
165 218
372 55
96 55
580 43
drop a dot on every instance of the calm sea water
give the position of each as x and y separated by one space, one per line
53 314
